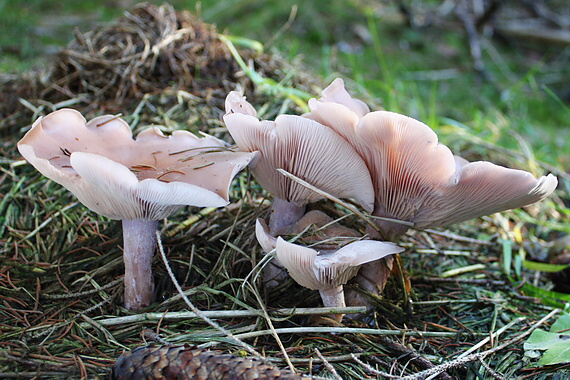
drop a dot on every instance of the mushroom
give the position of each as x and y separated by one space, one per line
304 148
326 234
416 179
325 270
137 181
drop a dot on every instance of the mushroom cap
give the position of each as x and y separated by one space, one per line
264 238
482 188
336 93
419 180
121 178
326 270
236 103
306 149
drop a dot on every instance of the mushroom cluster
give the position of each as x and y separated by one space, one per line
416 179
389 164
409 179
137 181
304 148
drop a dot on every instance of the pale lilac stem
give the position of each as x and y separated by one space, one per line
283 214
139 244
333 297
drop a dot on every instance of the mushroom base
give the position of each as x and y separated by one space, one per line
274 274
139 239
333 297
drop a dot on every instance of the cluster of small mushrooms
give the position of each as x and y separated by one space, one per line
389 164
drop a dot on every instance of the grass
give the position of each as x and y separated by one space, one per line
61 264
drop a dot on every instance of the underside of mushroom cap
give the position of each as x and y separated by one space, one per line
112 190
406 161
307 150
419 180
482 188
403 155
324 270
150 177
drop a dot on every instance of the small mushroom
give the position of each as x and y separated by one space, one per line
416 179
320 229
304 148
137 181
326 270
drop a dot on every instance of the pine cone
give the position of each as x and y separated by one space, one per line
185 362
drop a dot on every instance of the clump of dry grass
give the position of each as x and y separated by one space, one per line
154 55
61 265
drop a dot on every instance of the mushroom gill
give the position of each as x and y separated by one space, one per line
325 270
304 148
418 180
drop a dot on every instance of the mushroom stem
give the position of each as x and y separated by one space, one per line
333 297
283 215
139 243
